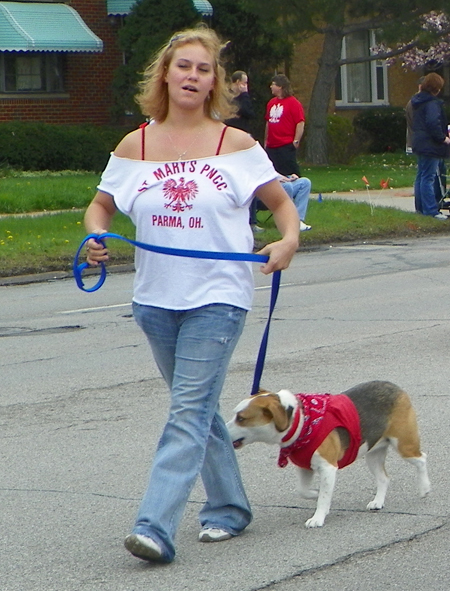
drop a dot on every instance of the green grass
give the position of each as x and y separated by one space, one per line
342 221
48 242
46 191
49 191
399 168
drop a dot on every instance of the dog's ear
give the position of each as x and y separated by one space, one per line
280 415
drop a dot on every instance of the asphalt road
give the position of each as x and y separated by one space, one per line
82 405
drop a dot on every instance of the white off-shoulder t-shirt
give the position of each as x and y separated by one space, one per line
198 204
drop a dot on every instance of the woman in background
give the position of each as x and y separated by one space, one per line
430 143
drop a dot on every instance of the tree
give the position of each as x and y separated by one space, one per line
148 26
430 49
397 21
255 45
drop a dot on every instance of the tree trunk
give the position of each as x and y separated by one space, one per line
316 139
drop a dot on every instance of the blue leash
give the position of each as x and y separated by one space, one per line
200 254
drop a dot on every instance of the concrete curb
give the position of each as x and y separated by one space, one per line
58 275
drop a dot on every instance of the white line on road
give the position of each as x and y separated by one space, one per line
97 308
83 310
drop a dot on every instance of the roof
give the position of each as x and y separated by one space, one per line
123 7
119 7
39 26
203 7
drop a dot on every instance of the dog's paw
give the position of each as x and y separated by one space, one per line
315 521
424 489
309 493
425 493
375 505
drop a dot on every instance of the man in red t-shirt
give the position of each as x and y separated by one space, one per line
285 122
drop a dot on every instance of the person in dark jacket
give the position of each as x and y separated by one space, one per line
430 143
242 120
245 112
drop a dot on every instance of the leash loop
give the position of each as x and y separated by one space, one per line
200 254
79 268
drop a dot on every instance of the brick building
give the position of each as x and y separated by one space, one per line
57 60
359 86
57 63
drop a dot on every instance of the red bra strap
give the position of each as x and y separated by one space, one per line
221 140
142 126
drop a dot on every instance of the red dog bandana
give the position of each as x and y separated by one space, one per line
322 413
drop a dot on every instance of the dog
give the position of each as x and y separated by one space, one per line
323 432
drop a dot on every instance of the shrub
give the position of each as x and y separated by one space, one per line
342 143
43 146
385 128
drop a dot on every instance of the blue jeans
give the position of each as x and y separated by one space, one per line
424 191
192 349
299 190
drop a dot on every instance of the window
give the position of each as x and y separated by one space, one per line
31 72
363 83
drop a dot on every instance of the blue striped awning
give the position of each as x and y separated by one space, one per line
119 7
39 26
203 7
123 7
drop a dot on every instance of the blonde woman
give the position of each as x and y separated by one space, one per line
187 181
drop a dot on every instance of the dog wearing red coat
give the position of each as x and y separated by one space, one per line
321 433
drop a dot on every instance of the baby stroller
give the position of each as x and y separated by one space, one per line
440 187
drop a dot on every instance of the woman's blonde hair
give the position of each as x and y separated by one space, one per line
153 97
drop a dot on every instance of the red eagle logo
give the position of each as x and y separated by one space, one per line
179 194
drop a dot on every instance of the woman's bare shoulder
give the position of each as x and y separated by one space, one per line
236 140
130 146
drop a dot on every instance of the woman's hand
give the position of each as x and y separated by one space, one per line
287 221
95 251
280 255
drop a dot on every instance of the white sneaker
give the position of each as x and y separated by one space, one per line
304 227
440 216
213 534
143 547
257 229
